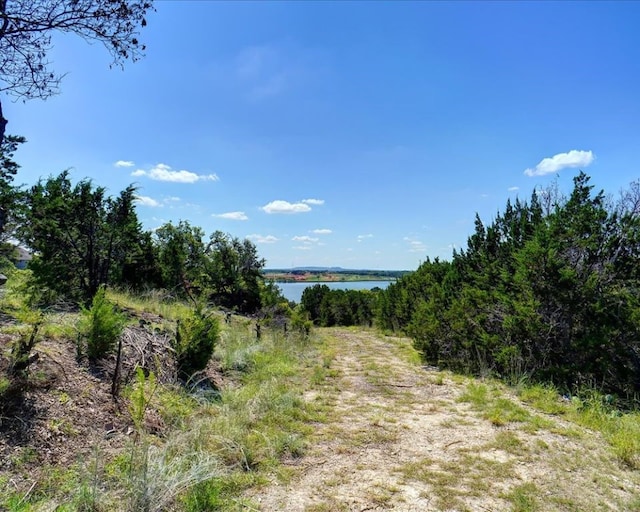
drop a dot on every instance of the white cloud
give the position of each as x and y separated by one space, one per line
363 237
572 159
306 239
260 239
415 245
147 201
513 189
279 206
124 163
322 231
232 216
317 202
163 172
302 247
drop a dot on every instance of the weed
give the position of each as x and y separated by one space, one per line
5 384
509 442
523 498
175 405
89 494
624 437
158 476
476 394
156 302
545 398
140 398
25 455
503 411
438 380
100 326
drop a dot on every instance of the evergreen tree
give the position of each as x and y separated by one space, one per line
81 237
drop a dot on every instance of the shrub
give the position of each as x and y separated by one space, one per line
100 326
300 321
196 337
21 356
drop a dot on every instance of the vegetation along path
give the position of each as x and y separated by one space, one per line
401 436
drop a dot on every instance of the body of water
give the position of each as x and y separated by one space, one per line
293 291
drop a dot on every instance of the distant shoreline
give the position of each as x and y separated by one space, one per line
297 276
340 280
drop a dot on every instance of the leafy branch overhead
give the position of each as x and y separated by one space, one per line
27 27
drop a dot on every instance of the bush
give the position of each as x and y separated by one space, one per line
100 326
300 321
196 337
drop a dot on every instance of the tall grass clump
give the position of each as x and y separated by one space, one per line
258 422
100 326
595 411
621 429
157 474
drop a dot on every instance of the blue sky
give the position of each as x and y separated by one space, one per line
361 135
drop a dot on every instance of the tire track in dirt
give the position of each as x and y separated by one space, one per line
398 438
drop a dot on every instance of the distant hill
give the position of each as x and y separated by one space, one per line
330 269
306 269
316 274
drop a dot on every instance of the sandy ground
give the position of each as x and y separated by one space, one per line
398 438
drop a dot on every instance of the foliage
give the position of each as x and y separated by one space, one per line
140 398
100 326
300 321
226 271
82 238
25 343
196 337
9 195
234 273
26 29
548 290
328 307
181 257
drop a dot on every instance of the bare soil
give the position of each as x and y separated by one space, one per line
62 414
57 417
397 437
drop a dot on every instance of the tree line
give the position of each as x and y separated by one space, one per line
549 290
83 239
327 307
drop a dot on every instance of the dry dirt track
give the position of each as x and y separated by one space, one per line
398 438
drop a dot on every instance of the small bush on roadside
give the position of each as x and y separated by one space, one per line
100 326
196 337
300 322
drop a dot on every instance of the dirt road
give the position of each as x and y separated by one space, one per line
402 437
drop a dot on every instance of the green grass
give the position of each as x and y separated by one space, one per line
215 446
523 498
153 302
544 398
596 412
497 409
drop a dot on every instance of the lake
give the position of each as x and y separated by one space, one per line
293 291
